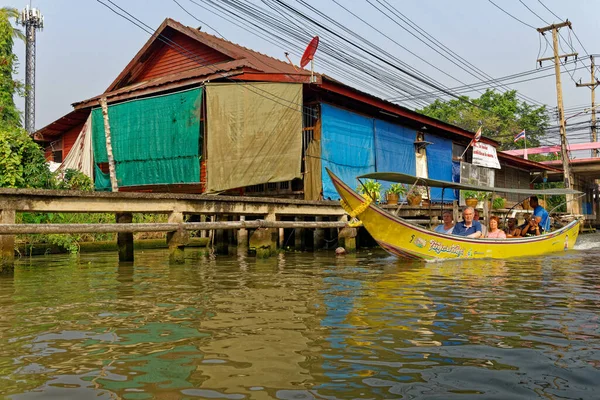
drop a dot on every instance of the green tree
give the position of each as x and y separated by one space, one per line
22 162
9 114
501 116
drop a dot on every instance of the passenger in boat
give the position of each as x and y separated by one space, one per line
483 227
494 232
531 228
448 225
468 227
512 231
540 214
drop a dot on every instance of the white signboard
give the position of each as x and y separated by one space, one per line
485 155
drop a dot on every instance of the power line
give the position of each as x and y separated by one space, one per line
510 15
540 1
460 62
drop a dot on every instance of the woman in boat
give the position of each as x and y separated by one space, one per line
512 231
448 225
494 232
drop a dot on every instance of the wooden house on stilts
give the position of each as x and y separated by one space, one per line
198 114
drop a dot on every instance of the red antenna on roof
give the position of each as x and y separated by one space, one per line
309 55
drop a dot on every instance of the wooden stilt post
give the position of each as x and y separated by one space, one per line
221 239
125 239
177 240
299 236
7 243
319 236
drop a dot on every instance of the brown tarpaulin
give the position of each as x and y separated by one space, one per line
312 178
254 134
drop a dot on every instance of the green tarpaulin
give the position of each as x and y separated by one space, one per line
154 141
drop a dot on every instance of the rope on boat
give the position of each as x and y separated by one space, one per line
355 212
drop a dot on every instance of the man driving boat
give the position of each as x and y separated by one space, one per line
540 214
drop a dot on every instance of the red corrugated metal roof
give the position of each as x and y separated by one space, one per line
195 76
61 125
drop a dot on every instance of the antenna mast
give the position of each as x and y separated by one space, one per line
32 19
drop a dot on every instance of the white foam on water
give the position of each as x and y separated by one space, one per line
587 242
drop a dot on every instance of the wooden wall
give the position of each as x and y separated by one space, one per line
168 60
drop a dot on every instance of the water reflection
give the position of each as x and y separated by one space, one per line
300 326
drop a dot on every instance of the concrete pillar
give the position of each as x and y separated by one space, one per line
347 236
125 239
299 236
242 238
203 234
274 232
264 241
7 243
281 241
177 240
319 236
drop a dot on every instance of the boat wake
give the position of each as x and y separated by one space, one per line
587 242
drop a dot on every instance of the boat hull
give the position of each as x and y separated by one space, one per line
400 238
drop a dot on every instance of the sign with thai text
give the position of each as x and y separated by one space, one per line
485 155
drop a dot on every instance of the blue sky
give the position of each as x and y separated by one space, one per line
84 46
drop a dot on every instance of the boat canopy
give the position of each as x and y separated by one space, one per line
410 179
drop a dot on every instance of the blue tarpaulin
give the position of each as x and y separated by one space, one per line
439 164
394 149
347 147
456 176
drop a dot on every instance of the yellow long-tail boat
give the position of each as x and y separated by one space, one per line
403 239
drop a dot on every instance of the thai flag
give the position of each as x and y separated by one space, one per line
477 135
519 136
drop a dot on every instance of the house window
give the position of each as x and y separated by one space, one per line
57 156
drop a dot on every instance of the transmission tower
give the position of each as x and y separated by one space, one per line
32 19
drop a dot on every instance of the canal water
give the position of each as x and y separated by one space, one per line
301 326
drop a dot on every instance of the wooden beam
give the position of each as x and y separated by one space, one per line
21 229
553 149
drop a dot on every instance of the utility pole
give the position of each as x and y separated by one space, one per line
568 178
32 19
592 84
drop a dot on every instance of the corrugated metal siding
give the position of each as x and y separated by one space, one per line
69 138
203 176
168 60
508 177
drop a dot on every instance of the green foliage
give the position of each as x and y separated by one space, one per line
506 117
73 179
498 203
70 242
372 188
22 162
397 188
555 201
473 194
9 114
